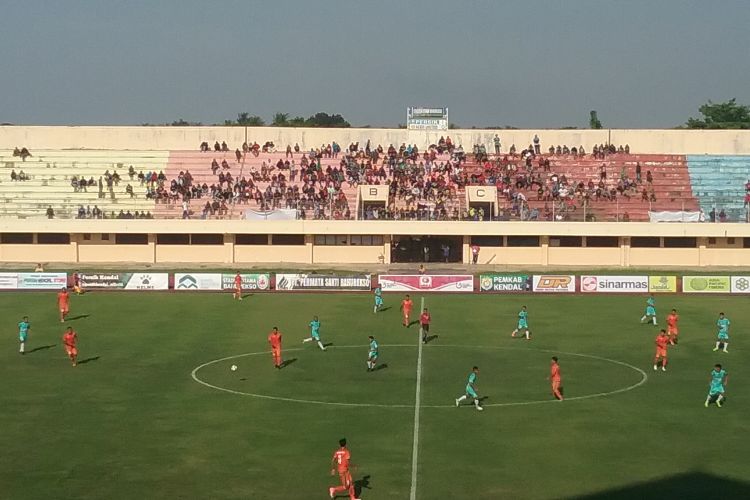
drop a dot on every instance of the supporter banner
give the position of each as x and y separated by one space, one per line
660 284
614 284
740 284
33 281
426 283
505 283
322 282
554 283
197 281
678 216
706 284
147 281
280 214
250 281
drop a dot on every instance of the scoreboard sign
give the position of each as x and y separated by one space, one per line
418 118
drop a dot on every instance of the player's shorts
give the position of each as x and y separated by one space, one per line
523 325
372 356
661 353
672 331
471 392
315 335
64 310
716 390
650 311
556 383
378 301
407 313
71 351
723 336
425 327
346 478
23 336
276 351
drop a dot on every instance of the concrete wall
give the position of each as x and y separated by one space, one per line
722 142
717 244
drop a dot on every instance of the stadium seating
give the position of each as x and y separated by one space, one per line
679 182
49 174
719 182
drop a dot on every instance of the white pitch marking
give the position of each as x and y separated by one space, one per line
417 397
644 378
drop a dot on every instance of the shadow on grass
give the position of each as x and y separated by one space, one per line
381 366
327 344
88 360
247 295
415 322
80 316
430 338
384 309
287 362
41 348
361 484
688 486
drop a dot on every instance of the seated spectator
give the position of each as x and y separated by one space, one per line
217 147
96 212
13 175
50 212
141 178
129 190
116 178
23 153
22 176
131 172
81 212
204 147
224 147
214 166
722 216
39 268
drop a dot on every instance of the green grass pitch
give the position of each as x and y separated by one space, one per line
131 422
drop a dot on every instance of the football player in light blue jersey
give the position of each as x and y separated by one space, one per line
719 380
523 324
372 355
23 333
722 337
471 390
378 299
650 311
315 333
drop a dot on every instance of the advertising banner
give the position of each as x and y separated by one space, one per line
323 282
662 284
148 281
250 281
614 284
423 118
197 281
706 284
42 281
33 281
740 284
505 283
554 283
124 281
426 283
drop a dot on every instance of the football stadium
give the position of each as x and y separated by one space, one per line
313 308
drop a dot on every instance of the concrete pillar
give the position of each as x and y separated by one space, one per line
228 249
544 241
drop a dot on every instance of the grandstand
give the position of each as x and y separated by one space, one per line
680 182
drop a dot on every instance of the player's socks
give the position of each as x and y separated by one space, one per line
706 403
309 339
320 344
460 400
654 319
717 346
477 405
330 492
719 399
513 333
663 368
655 368
22 348
643 319
528 335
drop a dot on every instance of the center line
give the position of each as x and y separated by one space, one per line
417 396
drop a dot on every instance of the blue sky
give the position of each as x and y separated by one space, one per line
530 63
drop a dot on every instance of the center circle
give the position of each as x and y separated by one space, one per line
305 380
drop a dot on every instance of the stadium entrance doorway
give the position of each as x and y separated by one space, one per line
426 249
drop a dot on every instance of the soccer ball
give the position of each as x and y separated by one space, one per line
234 368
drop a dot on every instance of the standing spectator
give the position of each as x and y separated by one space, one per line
638 172
496 140
474 253
537 145
185 209
446 252
422 269
50 212
238 155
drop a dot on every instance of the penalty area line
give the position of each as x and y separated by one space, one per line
417 397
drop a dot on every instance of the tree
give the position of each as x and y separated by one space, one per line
185 123
325 120
280 120
722 115
594 120
245 119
